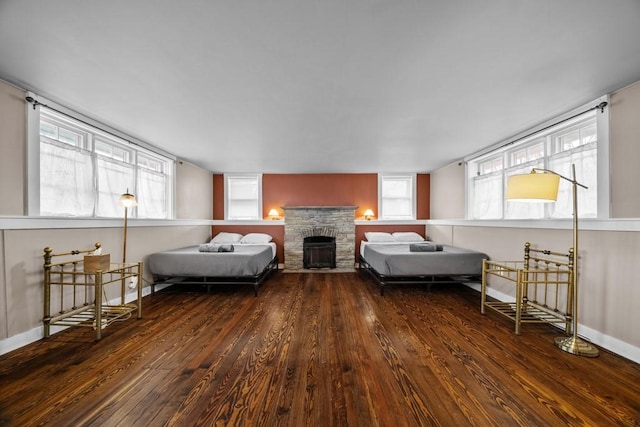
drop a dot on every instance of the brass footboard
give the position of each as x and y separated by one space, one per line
543 287
78 293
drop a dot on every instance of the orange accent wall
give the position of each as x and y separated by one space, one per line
277 231
361 229
423 199
218 196
320 190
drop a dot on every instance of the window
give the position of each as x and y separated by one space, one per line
84 170
243 197
397 196
555 148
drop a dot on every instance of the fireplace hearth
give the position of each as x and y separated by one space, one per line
319 252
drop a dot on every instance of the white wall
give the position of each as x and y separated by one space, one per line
13 124
194 198
625 152
445 203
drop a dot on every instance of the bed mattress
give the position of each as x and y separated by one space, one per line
245 260
395 259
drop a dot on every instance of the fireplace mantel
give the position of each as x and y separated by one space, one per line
319 207
299 219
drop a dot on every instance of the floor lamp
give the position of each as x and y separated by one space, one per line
128 201
541 185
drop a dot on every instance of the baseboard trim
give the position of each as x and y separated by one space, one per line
605 341
20 340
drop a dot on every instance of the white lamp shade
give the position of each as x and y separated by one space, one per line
128 200
533 187
273 212
368 212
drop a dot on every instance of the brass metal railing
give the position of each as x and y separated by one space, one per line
543 287
79 297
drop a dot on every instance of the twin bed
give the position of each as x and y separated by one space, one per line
247 259
391 260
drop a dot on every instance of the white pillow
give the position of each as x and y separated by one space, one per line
407 236
378 236
224 237
256 238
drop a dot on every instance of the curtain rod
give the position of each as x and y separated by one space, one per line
36 103
600 107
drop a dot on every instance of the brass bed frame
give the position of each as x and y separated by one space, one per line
543 287
79 293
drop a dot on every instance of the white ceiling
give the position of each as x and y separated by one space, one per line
286 86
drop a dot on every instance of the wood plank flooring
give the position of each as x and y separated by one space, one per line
314 350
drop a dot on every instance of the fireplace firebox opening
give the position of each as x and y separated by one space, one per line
319 252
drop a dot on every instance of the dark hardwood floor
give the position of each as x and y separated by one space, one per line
315 350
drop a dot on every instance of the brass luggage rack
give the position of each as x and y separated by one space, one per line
543 287
80 294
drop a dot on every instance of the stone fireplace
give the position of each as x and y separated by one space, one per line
336 222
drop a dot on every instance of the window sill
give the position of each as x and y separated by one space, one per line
247 222
357 222
26 223
617 224
391 221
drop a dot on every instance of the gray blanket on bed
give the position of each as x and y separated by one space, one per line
398 260
245 260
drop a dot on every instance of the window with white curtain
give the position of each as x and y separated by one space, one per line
84 170
556 148
397 196
243 197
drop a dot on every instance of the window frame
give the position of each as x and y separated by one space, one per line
546 130
411 178
258 201
101 132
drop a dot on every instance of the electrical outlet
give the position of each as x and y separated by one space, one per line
133 283
103 323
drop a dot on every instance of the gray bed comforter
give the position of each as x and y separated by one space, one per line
397 260
245 260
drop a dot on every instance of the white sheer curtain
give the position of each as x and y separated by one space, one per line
66 180
487 197
556 149
114 178
586 174
84 171
151 197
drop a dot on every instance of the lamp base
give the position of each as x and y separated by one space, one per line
577 346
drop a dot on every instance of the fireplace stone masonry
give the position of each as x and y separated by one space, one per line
298 220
